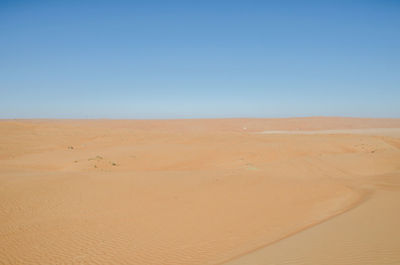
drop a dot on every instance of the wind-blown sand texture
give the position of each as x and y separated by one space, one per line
189 192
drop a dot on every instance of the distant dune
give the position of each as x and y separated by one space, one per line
204 191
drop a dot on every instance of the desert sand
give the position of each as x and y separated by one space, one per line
220 191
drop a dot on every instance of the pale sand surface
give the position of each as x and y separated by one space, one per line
198 191
392 132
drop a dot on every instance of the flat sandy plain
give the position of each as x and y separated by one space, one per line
222 191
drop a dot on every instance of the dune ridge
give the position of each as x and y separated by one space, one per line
238 259
366 234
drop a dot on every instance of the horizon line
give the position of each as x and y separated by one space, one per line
205 118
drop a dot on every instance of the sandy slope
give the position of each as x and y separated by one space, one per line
368 234
192 191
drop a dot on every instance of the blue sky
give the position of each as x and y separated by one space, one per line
192 59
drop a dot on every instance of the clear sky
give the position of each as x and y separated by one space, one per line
184 59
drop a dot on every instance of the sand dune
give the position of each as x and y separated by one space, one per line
199 191
368 234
